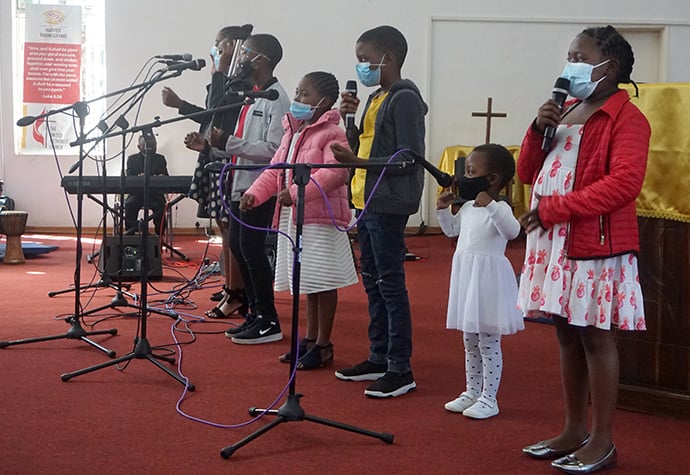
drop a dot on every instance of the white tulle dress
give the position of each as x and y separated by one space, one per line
483 287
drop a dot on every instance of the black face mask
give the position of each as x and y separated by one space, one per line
469 188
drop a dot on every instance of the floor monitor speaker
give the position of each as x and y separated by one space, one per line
130 259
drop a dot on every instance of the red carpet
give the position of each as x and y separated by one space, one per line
124 422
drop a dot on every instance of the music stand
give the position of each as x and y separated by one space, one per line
291 411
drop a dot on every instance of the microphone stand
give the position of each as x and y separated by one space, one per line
118 300
81 109
291 411
105 280
76 331
142 349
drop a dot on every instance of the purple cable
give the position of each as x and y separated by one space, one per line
236 218
178 406
366 204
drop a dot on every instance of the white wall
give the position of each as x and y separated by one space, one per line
318 34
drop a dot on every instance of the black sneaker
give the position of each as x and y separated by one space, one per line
364 371
232 331
392 385
261 331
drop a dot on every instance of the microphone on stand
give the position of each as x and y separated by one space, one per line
26 120
195 65
443 179
558 94
214 167
269 94
175 57
168 62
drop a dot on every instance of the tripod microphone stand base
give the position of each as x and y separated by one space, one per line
75 332
291 411
119 301
103 283
142 350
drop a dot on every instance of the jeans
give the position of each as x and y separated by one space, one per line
382 247
249 248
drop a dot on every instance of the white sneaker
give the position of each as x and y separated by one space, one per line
481 409
461 403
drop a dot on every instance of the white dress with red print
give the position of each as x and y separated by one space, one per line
597 292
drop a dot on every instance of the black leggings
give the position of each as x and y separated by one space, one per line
249 248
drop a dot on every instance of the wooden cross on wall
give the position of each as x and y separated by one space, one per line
489 114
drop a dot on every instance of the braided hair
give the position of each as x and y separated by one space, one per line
499 160
613 45
326 84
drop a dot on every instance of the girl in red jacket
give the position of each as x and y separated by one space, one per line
327 264
582 240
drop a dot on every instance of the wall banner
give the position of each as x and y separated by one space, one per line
52 76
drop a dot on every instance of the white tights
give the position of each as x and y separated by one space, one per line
483 364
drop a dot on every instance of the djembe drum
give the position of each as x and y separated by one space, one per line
13 226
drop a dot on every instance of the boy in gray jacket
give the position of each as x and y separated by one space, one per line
256 138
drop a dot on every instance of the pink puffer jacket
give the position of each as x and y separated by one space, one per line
313 146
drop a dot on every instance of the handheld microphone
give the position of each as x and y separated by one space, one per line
195 65
351 88
175 57
269 94
558 94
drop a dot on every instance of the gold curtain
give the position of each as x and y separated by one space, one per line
665 192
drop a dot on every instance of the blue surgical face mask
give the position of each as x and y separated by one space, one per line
580 76
215 54
367 76
301 111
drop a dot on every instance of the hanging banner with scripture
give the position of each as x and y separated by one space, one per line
52 76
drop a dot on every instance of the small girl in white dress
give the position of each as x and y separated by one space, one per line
483 287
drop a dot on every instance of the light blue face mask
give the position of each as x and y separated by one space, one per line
367 76
301 111
216 56
580 76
